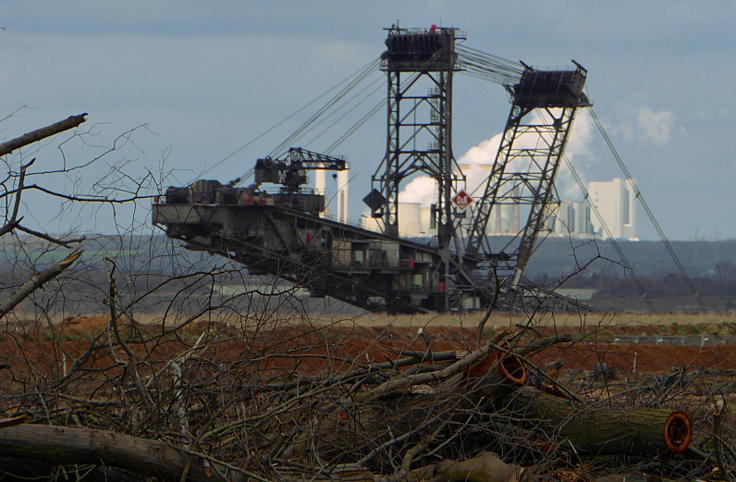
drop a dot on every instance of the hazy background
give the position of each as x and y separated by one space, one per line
207 78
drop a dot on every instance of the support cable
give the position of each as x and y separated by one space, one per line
281 122
616 246
352 129
493 62
325 108
648 211
355 127
505 63
489 67
355 99
366 94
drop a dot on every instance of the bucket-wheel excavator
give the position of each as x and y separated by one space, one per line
285 233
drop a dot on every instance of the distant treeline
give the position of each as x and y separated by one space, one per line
671 285
558 257
554 259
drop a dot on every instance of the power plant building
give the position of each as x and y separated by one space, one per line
615 202
570 218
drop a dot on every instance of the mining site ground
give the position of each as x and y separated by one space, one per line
237 370
627 343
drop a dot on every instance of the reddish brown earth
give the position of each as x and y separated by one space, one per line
650 358
318 350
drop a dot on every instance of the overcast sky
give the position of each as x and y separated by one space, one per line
207 77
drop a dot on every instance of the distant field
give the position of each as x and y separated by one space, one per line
586 321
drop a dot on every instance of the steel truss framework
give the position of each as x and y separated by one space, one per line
290 170
413 117
523 173
414 60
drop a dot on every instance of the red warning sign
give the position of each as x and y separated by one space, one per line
462 200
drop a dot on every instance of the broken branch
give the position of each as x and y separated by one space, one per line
42 133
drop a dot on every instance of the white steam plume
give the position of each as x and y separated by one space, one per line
579 153
422 189
477 160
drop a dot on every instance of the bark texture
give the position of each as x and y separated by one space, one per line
65 445
604 431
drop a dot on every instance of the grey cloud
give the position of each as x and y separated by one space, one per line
655 126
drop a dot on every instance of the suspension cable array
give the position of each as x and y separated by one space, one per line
367 94
281 122
489 67
334 101
628 268
649 213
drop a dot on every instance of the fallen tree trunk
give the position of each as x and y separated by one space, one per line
66 445
604 431
496 376
378 424
372 430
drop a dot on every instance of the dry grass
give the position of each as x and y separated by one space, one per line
460 320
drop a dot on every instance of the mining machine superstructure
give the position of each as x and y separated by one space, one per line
284 233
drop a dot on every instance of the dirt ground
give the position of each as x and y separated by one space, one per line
562 320
315 349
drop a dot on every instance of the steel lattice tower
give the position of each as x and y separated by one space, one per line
418 59
419 66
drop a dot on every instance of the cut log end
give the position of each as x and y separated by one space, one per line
513 369
678 432
510 366
496 375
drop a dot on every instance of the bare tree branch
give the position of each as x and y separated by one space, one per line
34 136
49 238
36 282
